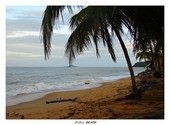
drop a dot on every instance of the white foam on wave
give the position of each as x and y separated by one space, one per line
31 88
46 87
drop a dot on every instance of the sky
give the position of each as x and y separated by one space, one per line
25 48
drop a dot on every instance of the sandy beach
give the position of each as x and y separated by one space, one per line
110 101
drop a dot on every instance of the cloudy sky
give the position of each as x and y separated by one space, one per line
24 47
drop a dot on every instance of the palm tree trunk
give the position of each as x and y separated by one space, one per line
153 56
128 61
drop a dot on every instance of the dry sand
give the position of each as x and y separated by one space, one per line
110 101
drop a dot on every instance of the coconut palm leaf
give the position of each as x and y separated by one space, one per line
89 29
144 55
50 16
48 22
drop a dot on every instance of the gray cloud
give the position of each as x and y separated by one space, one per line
23 25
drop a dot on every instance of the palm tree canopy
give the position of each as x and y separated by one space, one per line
90 27
143 55
148 25
95 23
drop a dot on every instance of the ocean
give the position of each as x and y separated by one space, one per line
29 83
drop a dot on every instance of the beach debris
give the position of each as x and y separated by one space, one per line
14 115
68 115
144 76
109 110
87 82
61 100
22 116
153 116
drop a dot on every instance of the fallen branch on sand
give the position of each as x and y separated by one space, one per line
61 100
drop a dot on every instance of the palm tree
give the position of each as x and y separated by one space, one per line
152 54
143 55
93 25
87 24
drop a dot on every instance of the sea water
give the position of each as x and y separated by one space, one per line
29 83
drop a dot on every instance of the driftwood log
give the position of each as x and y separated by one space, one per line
61 100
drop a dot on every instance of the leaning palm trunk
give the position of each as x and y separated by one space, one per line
134 87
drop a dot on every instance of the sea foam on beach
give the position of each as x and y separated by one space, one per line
25 84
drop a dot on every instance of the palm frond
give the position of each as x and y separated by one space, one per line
50 16
51 13
88 29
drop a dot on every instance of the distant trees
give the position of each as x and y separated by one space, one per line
156 59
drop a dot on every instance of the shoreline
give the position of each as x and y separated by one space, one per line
22 98
90 103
